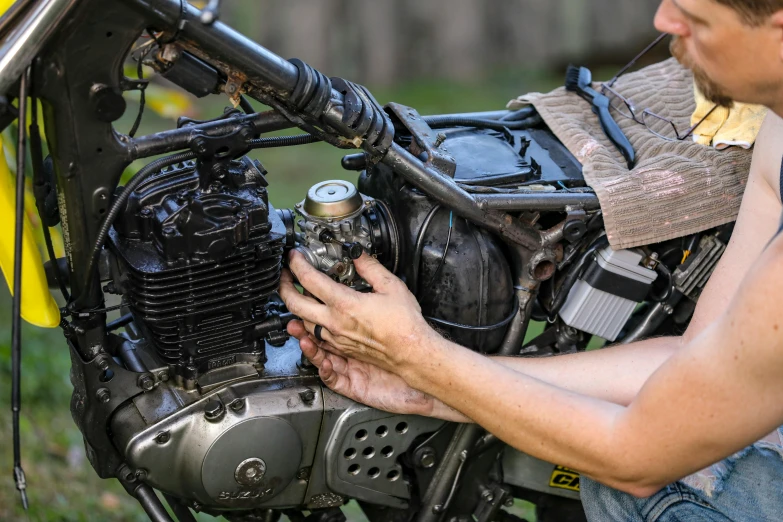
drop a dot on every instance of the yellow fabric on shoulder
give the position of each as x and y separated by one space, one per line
725 127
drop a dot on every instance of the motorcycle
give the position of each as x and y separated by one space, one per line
196 390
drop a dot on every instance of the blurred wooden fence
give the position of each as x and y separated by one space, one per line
382 41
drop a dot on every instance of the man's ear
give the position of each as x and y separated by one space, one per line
776 20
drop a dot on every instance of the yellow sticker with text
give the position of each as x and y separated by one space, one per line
564 478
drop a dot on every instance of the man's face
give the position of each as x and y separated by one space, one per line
730 59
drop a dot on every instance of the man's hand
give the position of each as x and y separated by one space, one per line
361 381
384 328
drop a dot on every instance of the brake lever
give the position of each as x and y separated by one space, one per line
211 13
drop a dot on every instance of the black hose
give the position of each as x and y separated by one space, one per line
576 270
439 122
118 206
521 114
490 328
244 104
151 504
663 271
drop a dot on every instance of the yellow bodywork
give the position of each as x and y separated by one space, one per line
38 305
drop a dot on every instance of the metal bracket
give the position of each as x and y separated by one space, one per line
424 139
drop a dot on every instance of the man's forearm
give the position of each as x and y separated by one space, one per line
613 374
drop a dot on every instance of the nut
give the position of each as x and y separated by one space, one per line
146 382
163 437
307 396
103 395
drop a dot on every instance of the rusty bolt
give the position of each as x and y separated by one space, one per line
163 437
146 382
103 395
307 396
439 139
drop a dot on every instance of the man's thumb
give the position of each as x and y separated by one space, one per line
372 271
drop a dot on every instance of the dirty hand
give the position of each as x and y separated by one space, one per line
384 328
361 381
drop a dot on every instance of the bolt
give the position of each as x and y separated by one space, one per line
439 139
425 457
509 502
102 363
146 212
237 405
103 395
307 396
669 309
303 474
146 382
141 474
199 146
163 437
169 231
214 410
163 376
232 88
488 496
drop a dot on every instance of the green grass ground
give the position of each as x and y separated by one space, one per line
62 485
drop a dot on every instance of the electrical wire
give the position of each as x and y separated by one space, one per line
36 154
119 205
445 251
16 312
142 92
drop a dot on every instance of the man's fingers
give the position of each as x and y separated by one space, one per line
326 335
312 351
372 271
314 281
303 306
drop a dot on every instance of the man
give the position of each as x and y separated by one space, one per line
635 418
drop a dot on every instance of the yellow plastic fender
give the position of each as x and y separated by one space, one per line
38 305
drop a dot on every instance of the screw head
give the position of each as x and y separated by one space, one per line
141 474
146 382
163 437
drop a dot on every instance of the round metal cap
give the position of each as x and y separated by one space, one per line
333 199
250 472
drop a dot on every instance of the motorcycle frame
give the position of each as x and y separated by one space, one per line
78 76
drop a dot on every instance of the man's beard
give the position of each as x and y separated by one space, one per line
711 90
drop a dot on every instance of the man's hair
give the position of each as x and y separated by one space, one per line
753 11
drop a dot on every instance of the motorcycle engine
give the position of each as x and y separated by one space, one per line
232 419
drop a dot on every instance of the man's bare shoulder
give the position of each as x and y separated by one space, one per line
768 152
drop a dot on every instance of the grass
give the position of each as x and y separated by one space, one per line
62 485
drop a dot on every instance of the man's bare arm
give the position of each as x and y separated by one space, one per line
692 412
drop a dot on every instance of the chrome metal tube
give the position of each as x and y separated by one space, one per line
26 39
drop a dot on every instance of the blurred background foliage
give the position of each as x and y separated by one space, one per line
439 56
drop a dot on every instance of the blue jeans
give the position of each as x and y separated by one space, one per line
745 487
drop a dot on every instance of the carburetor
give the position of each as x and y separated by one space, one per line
337 224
